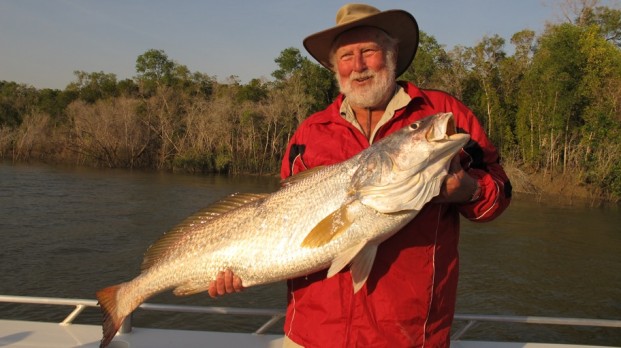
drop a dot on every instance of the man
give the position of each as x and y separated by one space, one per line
409 298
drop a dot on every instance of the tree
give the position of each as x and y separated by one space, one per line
91 87
600 131
319 84
127 88
609 22
201 85
577 12
551 106
511 72
154 69
310 86
430 65
254 91
16 100
289 61
487 99
54 103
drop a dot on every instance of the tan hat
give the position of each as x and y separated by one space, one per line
399 24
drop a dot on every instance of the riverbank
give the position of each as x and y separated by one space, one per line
561 188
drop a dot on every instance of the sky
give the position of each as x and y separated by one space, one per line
42 42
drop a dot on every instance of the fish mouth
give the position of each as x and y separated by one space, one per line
443 129
450 127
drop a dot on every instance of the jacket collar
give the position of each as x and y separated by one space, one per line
332 112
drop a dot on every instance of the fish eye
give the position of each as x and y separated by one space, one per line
414 126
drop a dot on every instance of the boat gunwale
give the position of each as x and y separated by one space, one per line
277 314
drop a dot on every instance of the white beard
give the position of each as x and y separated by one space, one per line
373 95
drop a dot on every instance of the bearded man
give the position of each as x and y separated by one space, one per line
409 297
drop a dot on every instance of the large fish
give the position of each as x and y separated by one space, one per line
328 217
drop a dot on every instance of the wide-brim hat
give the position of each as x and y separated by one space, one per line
399 24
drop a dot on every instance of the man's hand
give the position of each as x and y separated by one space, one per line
458 187
226 282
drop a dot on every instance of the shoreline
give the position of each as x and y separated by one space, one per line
543 187
561 189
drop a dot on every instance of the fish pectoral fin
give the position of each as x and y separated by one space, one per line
361 266
190 288
342 260
328 228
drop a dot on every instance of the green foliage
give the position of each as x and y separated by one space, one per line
430 64
289 61
319 84
127 88
15 101
607 21
199 84
612 181
94 86
310 85
550 105
254 91
222 160
194 162
54 102
154 68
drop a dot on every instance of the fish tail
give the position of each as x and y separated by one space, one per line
112 316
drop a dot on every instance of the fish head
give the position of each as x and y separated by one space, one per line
406 169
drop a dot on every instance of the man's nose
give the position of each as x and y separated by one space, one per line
359 62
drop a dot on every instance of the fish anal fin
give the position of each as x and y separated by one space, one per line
361 266
190 288
342 260
328 228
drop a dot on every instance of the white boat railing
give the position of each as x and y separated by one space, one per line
473 319
81 304
275 314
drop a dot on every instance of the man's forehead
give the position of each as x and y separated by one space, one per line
370 35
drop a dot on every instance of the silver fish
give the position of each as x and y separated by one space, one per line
328 217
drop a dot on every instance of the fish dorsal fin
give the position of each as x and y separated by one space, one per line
231 202
300 176
158 249
361 266
328 228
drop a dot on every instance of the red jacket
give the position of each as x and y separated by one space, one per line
409 298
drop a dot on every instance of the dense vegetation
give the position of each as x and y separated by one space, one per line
552 107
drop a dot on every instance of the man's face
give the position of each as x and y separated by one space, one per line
364 74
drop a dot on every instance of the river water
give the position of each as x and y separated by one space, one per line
67 232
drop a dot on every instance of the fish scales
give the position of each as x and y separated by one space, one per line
329 219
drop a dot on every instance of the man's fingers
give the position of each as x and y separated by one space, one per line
228 281
237 284
220 284
213 287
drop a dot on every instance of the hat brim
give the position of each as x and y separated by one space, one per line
399 24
